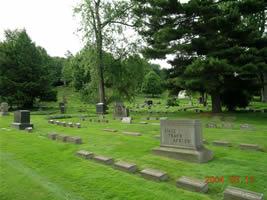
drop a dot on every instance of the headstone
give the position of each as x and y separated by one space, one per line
221 143
62 138
52 136
28 129
62 107
154 174
192 184
85 154
126 120
78 125
120 110
4 109
132 133
100 108
247 127
232 193
51 121
143 122
182 140
228 125
104 160
64 124
110 130
254 147
211 125
21 119
124 166
74 140
57 122
70 124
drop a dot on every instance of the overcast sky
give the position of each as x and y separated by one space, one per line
49 23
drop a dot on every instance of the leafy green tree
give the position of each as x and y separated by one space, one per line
100 20
24 71
152 84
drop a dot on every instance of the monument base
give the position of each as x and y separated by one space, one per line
21 126
199 156
4 113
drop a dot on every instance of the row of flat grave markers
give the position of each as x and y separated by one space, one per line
229 125
99 120
65 124
65 138
187 183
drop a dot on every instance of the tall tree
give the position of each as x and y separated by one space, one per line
102 22
24 71
206 37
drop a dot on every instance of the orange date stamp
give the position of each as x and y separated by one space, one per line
230 179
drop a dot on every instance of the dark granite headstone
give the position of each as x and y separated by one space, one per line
22 119
100 108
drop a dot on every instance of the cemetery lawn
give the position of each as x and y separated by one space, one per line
35 167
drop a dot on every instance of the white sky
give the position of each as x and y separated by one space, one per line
49 23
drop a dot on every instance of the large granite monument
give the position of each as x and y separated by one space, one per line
4 109
120 110
182 140
22 119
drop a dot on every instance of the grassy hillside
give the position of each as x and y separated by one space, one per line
34 167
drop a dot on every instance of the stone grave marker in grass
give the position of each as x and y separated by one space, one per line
109 130
52 136
182 140
126 120
132 133
232 193
153 174
4 109
211 125
124 166
85 154
192 184
247 127
104 160
221 143
254 147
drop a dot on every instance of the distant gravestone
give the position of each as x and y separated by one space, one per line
228 125
211 125
62 107
21 119
247 127
100 108
120 110
126 120
4 109
182 140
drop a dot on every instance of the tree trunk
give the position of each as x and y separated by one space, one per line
264 89
100 65
216 102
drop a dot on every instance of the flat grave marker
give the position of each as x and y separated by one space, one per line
192 184
232 193
124 166
153 174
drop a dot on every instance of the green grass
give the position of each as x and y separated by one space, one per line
34 167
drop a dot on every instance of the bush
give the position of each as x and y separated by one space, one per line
172 102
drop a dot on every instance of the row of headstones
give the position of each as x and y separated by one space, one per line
229 125
183 182
242 146
65 124
65 138
99 120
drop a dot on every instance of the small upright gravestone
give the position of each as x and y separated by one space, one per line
22 119
182 140
4 109
126 120
100 108
62 107
120 110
